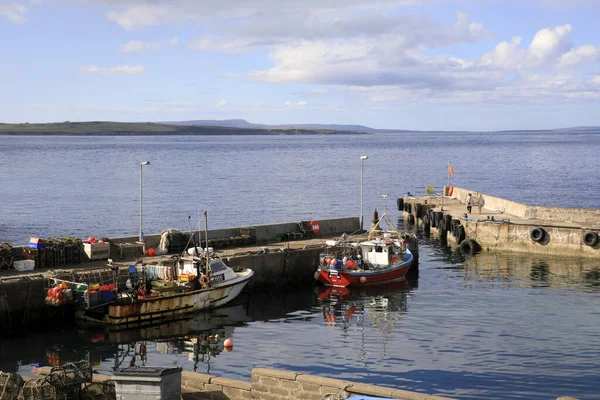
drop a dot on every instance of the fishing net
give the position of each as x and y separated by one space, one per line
63 383
10 386
6 257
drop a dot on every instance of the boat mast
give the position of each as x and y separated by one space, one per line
206 240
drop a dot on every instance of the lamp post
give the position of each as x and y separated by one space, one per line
362 159
141 237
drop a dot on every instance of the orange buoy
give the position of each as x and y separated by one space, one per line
92 239
394 259
228 343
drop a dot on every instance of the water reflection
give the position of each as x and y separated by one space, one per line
492 326
199 336
381 307
531 270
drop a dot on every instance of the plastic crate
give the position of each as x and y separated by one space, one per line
24 265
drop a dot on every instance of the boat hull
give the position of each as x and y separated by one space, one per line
150 311
394 273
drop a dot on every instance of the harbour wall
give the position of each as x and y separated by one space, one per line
274 384
511 230
553 214
264 233
265 384
22 297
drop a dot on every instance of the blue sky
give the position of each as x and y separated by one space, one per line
403 64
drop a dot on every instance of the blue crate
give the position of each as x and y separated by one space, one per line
37 245
107 296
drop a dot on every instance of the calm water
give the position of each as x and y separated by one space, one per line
90 186
494 326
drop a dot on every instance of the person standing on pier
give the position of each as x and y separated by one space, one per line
480 203
469 202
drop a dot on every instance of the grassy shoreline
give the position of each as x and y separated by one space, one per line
102 128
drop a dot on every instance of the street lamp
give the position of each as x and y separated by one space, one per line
141 237
362 159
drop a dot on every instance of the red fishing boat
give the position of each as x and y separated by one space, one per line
383 258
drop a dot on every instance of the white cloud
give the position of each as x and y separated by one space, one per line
300 103
596 79
581 55
138 45
549 43
222 103
505 55
225 45
121 70
174 41
142 15
15 11
547 46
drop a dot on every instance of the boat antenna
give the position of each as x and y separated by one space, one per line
384 197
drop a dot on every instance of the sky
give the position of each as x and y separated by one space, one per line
396 64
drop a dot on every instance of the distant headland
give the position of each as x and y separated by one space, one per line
106 128
229 127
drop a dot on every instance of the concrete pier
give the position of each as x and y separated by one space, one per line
275 263
507 225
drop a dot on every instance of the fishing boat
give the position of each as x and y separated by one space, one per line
383 258
146 294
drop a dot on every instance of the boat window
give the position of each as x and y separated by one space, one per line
217 266
378 249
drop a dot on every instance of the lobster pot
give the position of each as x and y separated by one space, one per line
143 383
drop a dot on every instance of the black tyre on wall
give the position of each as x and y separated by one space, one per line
419 210
537 234
448 221
400 203
469 246
426 222
590 239
460 234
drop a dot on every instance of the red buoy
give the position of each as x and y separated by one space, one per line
92 239
315 226
228 343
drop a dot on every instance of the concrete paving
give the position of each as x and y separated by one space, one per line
458 209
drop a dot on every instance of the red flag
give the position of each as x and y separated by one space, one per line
451 170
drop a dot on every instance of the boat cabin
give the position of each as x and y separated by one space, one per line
381 252
218 270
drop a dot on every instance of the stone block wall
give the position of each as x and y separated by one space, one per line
270 384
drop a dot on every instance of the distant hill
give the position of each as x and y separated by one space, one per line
96 128
230 127
242 123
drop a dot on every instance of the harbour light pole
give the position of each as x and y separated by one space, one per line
141 237
362 159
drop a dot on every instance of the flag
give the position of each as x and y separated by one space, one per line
451 170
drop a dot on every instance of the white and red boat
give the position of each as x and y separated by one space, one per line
383 258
